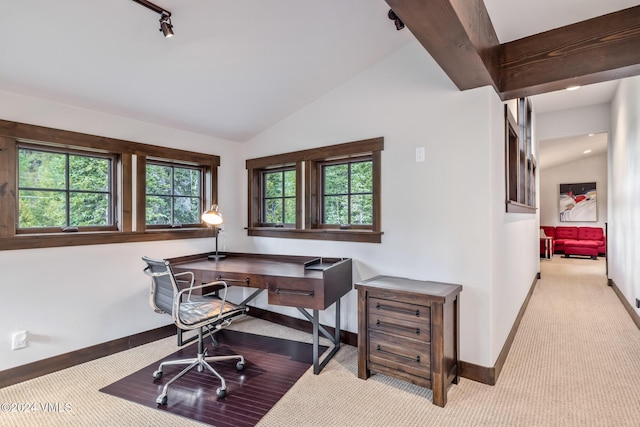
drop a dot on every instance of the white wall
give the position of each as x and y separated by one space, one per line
437 216
73 297
590 169
624 178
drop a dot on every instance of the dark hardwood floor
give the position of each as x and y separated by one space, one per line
272 366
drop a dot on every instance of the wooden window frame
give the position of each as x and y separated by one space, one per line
113 185
128 153
520 163
263 172
308 204
321 199
202 198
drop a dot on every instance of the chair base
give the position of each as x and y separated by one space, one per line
201 362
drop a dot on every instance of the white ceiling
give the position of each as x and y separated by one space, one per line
234 67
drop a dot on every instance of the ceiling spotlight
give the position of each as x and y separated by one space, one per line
165 25
165 17
392 15
586 152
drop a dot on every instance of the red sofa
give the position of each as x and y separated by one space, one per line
586 241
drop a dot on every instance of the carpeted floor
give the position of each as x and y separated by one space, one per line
574 362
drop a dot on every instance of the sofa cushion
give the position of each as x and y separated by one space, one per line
567 233
590 233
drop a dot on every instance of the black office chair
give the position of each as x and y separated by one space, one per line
206 313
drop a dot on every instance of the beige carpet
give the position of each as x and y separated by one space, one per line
575 362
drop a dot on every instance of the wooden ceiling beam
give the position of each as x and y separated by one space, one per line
458 34
592 51
460 37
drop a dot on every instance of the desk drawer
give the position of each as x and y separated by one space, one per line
401 354
307 294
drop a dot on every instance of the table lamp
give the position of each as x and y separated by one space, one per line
213 217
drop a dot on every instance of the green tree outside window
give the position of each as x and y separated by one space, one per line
279 197
348 193
57 189
174 195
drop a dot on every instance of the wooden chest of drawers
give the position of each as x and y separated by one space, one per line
408 329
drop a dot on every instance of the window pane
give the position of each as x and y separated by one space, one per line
88 209
336 179
186 210
362 177
186 182
290 183
336 210
41 209
88 173
40 169
158 179
273 184
290 211
361 209
273 211
159 210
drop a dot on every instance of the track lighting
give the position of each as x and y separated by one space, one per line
392 15
165 25
165 17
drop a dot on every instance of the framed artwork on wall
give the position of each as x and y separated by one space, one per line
578 202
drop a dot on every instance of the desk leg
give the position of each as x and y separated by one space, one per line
316 341
317 329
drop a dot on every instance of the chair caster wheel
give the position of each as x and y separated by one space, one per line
162 400
157 375
221 393
240 366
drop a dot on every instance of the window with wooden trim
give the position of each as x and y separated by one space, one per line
64 190
174 195
53 182
521 166
347 193
339 199
278 188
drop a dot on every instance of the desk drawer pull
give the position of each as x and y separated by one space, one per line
416 359
293 292
233 280
396 309
402 328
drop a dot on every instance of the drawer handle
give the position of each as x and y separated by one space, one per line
416 359
225 279
399 310
293 292
406 328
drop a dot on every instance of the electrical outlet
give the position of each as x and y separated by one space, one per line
637 303
420 154
18 340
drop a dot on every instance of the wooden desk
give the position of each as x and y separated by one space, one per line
312 283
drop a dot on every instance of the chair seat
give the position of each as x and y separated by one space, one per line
203 308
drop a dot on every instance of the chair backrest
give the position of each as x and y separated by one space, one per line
163 284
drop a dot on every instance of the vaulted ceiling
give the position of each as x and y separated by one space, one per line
234 68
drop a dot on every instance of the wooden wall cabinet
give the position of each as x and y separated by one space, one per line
408 329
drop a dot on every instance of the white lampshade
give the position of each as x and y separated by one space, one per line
212 216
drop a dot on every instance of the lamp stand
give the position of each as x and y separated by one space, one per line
215 256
